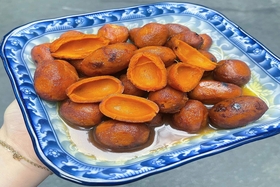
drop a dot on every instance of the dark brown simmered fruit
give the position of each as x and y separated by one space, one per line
156 121
41 53
168 99
212 92
211 57
208 55
52 78
121 136
129 88
175 28
190 37
232 71
71 33
76 63
207 42
191 118
108 60
237 112
115 33
133 33
151 34
166 54
80 115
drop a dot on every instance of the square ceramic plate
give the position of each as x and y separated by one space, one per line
68 153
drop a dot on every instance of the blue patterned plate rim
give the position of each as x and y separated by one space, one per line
38 122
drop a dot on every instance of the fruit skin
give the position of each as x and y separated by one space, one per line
80 115
212 92
166 54
232 71
209 55
41 53
115 33
52 78
121 136
175 28
107 60
168 99
129 88
237 112
192 118
151 34
191 38
207 42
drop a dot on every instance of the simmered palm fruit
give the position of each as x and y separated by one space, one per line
76 46
189 37
208 54
77 63
115 33
128 108
147 71
191 118
212 92
232 71
71 33
151 34
237 112
184 77
129 88
133 33
175 28
211 57
80 115
94 89
157 77
168 99
41 53
166 54
207 42
108 60
190 55
156 121
121 136
51 78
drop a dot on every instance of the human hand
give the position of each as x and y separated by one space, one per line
27 170
15 134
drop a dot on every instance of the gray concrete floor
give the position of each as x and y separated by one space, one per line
252 165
